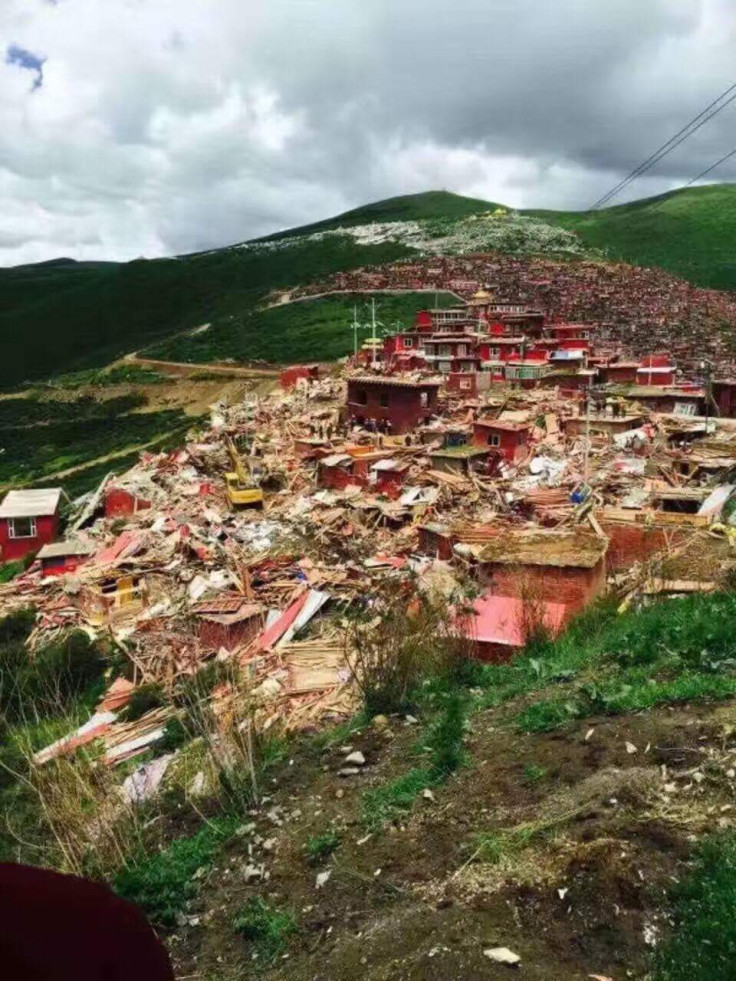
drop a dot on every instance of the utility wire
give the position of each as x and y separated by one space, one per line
712 167
674 141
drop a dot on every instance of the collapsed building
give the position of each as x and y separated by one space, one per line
522 498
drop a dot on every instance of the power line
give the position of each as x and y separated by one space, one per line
674 141
670 145
712 167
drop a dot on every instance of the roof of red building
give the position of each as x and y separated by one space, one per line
505 425
572 548
30 503
394 382
501 620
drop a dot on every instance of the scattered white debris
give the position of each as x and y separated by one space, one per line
322 879
502 955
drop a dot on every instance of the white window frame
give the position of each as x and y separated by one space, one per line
408 342
494 439
31 523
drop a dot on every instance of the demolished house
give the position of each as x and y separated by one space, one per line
529 503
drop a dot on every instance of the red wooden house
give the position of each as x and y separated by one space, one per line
509 439
62 558
28 520
395 403
546 565
291 375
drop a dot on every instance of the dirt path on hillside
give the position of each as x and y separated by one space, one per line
178 368
288 300
79 468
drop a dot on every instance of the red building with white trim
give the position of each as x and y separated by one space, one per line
28 520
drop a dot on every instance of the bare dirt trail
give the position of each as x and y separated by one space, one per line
179 368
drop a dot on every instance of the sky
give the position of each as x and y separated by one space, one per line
156 127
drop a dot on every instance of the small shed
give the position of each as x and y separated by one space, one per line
460 459
387 476
335 471
29 519
548 565
228 622
60 558
509 439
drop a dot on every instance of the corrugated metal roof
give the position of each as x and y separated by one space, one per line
30 503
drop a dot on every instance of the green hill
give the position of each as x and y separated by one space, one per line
62 316
407 207
691 232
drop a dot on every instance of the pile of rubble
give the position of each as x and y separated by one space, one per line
158 562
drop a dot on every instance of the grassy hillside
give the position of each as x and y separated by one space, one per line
406 207
63 316
691 233
312 330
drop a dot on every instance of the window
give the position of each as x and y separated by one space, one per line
465 384
408 342
684 408
445 351
361 397
22 527
384 399
424 399
495 352
494 439
520 439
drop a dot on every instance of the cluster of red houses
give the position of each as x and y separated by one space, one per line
481 342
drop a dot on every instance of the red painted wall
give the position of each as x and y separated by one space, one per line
119 502
404 410
631 543
62 565
47 531
214 635
289 376
575 587
509 447
725 395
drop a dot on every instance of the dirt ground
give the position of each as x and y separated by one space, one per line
607 809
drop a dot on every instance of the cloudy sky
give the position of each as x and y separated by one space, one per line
152 127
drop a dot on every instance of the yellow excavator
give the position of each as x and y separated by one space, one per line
240 487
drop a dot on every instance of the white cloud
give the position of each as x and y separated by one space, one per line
164 126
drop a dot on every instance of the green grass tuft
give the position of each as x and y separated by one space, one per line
266 928
702 943
162 884
320 847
